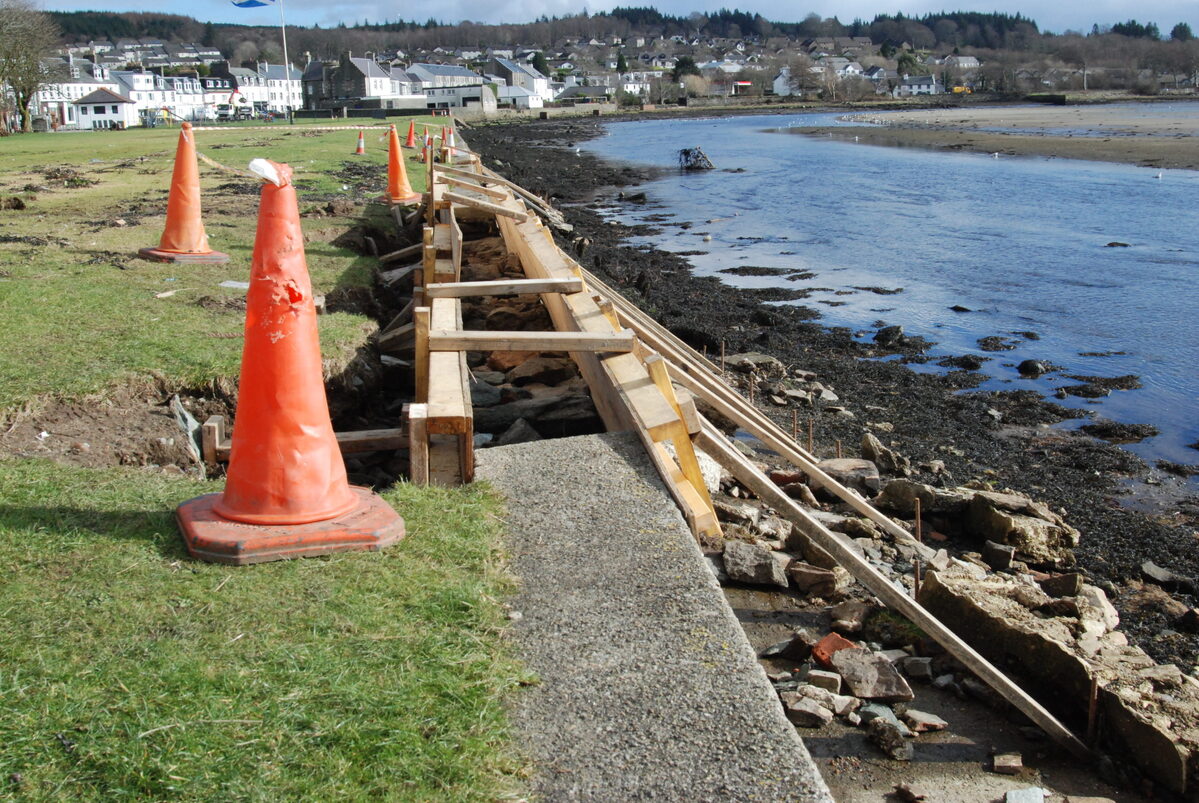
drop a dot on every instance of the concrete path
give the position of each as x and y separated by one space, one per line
649 689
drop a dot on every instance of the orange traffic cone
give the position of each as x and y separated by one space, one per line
410 142
399 191
286 493
361 143
183 238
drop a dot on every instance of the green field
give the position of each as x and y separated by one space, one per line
130 671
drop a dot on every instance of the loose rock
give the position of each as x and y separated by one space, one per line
752 563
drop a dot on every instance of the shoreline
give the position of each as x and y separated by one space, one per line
1004 437
1093 133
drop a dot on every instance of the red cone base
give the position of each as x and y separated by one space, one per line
371 525
196 258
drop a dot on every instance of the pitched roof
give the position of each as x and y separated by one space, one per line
102 96
448 70
368 67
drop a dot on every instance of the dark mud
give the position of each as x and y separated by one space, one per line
1000 437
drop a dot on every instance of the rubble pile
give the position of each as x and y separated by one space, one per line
995 566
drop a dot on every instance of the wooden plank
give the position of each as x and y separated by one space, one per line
680 436
715 444
420 318
442 237
473 340
455 246
428 254
395 256
418 444
353 442
649 407
503 287
400 339
212 436
444 460
444 271
449 393
539 205
402 317
688 409
458 181
700 517
393 276
495 209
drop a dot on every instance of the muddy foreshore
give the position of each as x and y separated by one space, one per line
1000 437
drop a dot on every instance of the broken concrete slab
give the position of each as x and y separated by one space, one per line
870 676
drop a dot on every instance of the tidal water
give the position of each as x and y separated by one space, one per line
1021 242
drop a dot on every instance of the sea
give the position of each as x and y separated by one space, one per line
903 235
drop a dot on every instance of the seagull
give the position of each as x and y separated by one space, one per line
1159 175
855 139
577 153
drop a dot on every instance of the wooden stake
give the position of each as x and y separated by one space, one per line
916 579
722 355
838 443
811 435
795 425
1093 712
919 528
751 391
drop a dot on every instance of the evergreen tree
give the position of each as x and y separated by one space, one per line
1181 33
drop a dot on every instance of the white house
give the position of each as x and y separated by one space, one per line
433 76
523 75
478 96
282 86
520 98
782 83
918 85
105 109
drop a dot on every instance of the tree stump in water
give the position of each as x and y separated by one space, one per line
694 159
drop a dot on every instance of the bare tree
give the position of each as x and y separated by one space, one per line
26 37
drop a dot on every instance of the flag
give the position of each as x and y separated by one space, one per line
251 3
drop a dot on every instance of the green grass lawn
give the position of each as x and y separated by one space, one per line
130 671
80 311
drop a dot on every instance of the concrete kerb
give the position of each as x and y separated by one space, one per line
649 687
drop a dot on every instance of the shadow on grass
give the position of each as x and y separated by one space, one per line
70 524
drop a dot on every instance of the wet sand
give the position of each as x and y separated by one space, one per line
1100 133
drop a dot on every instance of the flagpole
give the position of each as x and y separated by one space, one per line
286 65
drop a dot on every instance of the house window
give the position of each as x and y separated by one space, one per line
83 109
114 109
99 110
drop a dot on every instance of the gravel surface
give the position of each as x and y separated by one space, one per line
648 688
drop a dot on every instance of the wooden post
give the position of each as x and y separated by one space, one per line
838 443
751 390
212 435
722 355
811 435
916 579
418 443
795 425
919 529
421 317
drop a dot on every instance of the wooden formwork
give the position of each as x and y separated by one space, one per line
643 378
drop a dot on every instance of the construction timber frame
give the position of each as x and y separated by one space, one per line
642 379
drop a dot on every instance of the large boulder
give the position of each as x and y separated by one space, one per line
888 460
1039 535
857 474
752 563
900 495
755 363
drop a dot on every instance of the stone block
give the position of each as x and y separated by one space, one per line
752 563
870 676
1007 763
825 680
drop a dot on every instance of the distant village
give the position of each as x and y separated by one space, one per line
134 82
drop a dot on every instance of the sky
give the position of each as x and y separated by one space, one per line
1051 15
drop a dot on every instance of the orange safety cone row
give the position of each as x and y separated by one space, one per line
410 142
399 191
286 493
183 238
361 149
